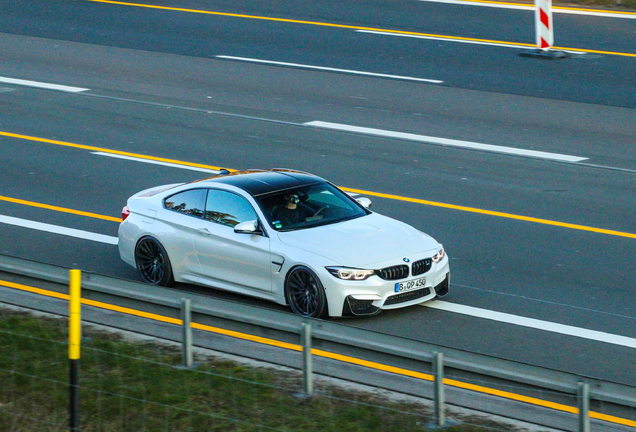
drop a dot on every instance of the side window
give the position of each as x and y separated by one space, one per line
190 202
228 208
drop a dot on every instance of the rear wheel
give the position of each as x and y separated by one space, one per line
305 294
153 263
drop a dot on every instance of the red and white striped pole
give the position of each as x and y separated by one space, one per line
544 27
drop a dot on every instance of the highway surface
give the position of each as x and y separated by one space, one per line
524 169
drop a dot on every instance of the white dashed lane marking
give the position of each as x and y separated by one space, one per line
56 229
446 141
533 323
43 85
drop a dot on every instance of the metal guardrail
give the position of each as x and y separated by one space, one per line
352 345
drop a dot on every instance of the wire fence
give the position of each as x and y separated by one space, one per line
128 385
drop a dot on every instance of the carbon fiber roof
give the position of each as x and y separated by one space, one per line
261 182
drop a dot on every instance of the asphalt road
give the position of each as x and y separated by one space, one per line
155 87
606 80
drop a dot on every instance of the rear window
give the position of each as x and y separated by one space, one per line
190 202
222 207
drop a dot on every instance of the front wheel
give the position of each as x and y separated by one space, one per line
153 263
305 294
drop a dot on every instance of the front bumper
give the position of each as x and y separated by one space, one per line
371 296
356 307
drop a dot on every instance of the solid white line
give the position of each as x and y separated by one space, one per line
168 164
593 13
42 85
446 142
472 42
483 4
331 69
572 11
533 323
56 229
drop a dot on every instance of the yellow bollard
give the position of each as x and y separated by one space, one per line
74 338
74 334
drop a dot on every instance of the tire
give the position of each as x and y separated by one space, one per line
305 294
153 263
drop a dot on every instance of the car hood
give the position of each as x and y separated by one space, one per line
362 242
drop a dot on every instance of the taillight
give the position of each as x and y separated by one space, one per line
125 212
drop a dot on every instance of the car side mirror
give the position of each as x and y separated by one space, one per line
248 227
364 202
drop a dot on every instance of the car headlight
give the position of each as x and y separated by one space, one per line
439 255
350 273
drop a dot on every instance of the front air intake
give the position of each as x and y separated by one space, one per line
407 296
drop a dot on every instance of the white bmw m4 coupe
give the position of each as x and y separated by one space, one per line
285 236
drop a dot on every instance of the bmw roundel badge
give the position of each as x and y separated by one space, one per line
405 259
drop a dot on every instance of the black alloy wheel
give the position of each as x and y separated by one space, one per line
305 294
153 263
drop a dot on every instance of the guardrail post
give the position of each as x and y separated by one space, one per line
584 407
438 374
186 351
308 385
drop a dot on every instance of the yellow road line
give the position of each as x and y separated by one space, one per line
94 303
567 8
513 396
247 337
611 419
34 290
293 21
493 213
528 5
327 354
352 27
103 150
591 51
59 209
134 312
372 365
603 11
359 191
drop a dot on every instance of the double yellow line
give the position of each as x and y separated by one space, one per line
324 354
353 27
358 191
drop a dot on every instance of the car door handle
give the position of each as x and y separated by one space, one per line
204 231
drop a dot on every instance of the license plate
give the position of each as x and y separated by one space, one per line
410 285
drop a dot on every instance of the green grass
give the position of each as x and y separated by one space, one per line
135 386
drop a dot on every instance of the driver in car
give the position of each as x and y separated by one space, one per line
292 212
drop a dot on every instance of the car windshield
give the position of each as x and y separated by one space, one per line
309 206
